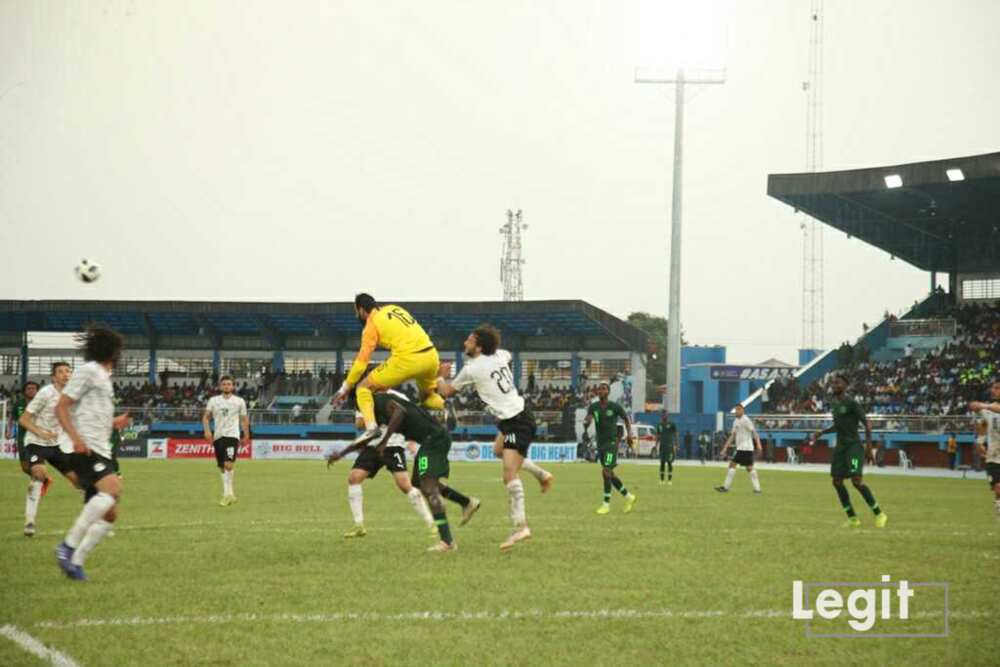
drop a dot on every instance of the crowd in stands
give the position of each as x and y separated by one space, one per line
300 383
179 395
941 382
185 398
192 394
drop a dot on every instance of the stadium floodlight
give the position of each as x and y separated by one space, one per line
893 181
661 75
680 79
955 175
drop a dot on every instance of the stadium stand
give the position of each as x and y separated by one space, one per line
941 381
917 372
287 359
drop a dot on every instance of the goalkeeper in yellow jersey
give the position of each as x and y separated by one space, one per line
412 357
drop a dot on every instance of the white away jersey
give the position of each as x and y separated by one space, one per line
494 383
226 413
92 410
43 411
744 429
992 420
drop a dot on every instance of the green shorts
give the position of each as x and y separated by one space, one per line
608 458
667 453
847 461
432 459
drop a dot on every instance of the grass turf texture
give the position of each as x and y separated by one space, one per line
269 580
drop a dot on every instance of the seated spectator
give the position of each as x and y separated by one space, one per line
942 382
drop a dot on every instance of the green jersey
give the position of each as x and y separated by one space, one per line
418 424
848 416
20 406
666 433
606 422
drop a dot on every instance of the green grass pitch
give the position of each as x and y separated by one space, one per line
691 577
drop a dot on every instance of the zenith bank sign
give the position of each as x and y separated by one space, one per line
178 448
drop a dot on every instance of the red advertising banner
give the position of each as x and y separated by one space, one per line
184 448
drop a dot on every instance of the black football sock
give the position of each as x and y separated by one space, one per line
670 471
618 485
607 490
441 521
845 500
662 464
454 496
866 493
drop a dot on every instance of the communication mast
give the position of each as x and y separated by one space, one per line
812 230
510 258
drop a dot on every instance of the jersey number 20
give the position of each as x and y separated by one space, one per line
504 378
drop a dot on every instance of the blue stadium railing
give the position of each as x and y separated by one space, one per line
186 421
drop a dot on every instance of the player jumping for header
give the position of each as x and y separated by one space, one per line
412 357
488 370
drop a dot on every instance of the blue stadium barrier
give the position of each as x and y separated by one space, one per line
487 431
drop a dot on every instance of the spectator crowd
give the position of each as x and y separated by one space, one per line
941 382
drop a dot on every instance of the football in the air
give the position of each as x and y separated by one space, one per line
88 271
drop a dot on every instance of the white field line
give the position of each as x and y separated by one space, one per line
412 524
503 615
36 648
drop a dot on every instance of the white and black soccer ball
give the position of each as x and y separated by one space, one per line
88 271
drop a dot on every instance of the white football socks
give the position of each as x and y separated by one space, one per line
97 531
356 500
754 480
420 506
227 482
533 468
729 478
95 508
515 493
31 500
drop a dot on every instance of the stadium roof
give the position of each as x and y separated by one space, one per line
525 325
924 216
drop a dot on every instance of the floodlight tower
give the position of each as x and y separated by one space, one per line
680 79
510 258
812 230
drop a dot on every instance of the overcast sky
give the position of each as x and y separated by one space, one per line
308 150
